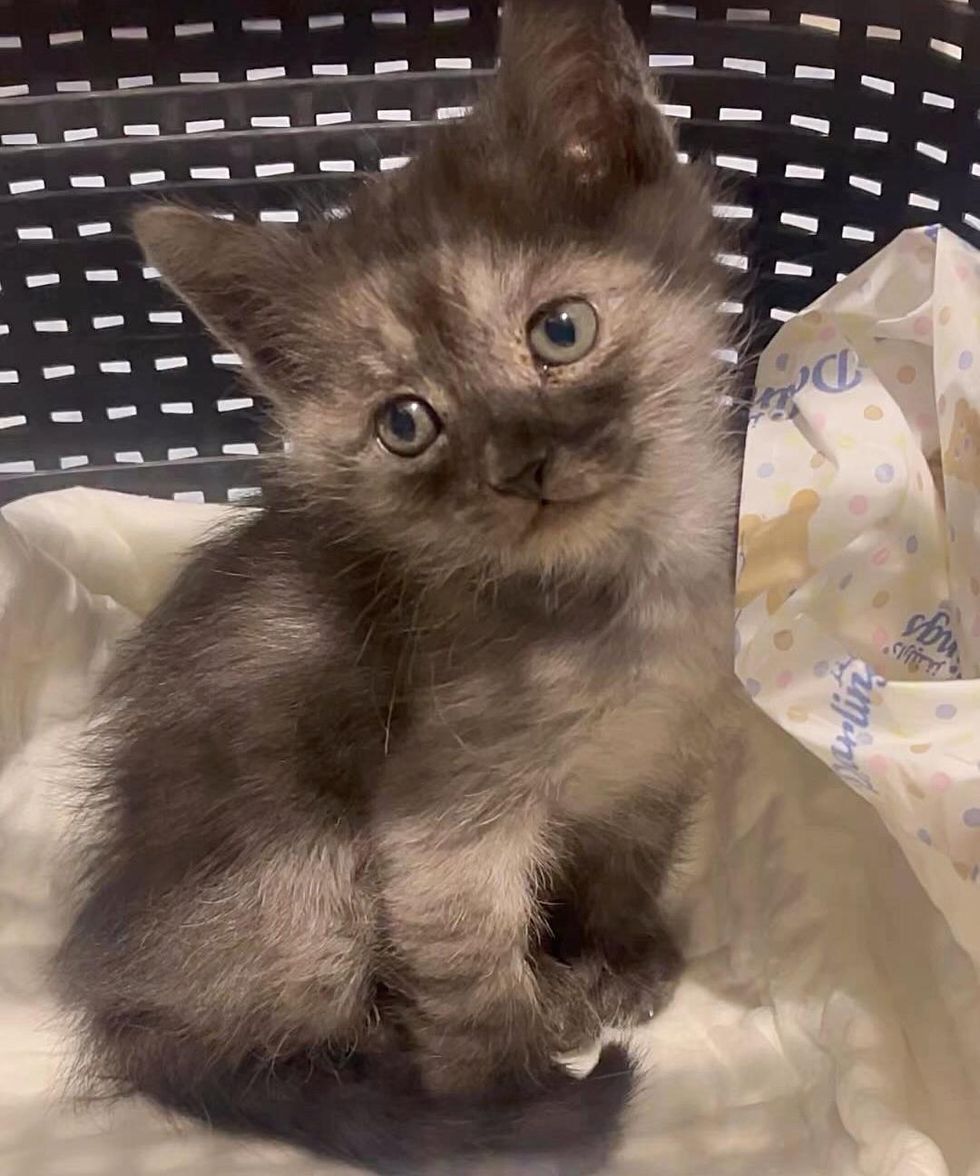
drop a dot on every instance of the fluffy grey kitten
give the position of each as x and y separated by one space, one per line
392 778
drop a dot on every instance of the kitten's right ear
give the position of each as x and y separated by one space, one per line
574 87
230 273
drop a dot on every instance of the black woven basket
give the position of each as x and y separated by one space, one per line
840 122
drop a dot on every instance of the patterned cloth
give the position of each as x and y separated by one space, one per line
859 580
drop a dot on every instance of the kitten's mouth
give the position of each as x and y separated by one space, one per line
561 503
564 518
538 506
547 513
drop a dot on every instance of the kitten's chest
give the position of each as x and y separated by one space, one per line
583 721
586 729
624 743
645 718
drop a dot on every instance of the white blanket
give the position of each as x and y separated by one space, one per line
827 1024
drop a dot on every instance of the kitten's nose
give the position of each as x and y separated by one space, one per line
526 482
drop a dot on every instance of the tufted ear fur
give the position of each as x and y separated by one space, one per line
232 274
575 88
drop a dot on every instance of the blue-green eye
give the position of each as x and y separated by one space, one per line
563 332
407 426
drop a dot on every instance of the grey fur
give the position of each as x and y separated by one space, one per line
392 778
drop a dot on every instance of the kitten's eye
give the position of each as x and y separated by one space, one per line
563 332
407 426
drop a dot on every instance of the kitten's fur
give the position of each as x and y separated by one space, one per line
394 774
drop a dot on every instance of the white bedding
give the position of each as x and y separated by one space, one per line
828 1022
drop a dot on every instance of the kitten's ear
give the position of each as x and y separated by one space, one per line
574 84
230 273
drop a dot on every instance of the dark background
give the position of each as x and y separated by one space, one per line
838 122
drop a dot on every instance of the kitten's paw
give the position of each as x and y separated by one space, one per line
571 1021
631 987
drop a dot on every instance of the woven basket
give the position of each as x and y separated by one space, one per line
839 122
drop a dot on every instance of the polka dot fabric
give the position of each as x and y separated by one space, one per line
858 602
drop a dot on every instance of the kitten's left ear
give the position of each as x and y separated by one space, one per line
233 275
575 87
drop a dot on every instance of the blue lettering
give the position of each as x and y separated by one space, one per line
842 379
854 709
780 403
935 632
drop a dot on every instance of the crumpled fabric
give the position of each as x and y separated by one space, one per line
828 1023
859 580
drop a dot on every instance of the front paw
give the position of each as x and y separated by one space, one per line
570 1019
630 985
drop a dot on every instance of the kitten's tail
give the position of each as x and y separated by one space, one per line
371 1114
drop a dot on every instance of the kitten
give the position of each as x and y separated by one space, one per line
394 775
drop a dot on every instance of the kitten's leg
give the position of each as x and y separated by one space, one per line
267 956
609 925
461 910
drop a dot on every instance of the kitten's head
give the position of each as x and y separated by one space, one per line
501 358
